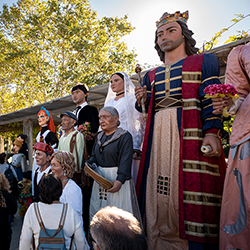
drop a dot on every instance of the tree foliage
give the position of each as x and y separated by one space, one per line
240 34
47 46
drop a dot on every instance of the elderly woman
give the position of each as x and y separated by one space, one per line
113 154
8 206
50 188
121 95
63 166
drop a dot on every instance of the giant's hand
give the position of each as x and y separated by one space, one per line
141 92
214 143
220 103
117 186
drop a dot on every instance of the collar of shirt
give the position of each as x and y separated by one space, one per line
41 173
82 105
77 111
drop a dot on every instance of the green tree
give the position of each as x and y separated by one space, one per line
240 34
50 45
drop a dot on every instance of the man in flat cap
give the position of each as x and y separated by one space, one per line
72 140
43 154
179 188
85 113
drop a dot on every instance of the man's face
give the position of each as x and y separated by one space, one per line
78 97
169 37
67 123
41 158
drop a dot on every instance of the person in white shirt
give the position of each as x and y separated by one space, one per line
50 210
63 165
43 154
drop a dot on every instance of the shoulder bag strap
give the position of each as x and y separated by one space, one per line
61 223
38 216
63 216
62 220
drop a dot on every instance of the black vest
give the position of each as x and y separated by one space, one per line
36 197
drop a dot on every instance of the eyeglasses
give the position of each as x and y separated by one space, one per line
91 238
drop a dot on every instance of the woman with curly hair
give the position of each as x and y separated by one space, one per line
63 166
8 206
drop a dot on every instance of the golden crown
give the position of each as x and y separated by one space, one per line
169 18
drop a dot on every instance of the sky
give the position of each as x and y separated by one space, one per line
205 19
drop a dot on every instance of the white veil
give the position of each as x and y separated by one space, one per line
135 123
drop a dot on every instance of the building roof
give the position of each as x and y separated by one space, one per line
97 94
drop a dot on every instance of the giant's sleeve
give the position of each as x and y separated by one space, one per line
210 75
238 70
52 140
146 82
14 172
94 120
125 158
92 159
80 146
73 196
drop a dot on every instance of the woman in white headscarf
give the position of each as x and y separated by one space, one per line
121 96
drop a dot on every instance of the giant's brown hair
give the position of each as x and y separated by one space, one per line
189 42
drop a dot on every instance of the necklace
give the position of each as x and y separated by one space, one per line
65 180
120 93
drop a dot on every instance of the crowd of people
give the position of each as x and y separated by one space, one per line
165 193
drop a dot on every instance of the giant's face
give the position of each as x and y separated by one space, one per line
67 123
107 121
169 37
42 118
78 96
41 158
57 169
117 83
16 149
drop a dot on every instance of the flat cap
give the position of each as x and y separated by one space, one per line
69 114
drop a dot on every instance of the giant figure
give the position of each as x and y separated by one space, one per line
235 209
179 188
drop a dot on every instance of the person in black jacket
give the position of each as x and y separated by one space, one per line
85 113
8 206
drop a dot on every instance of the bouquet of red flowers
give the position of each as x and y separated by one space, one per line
85 130
221 90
